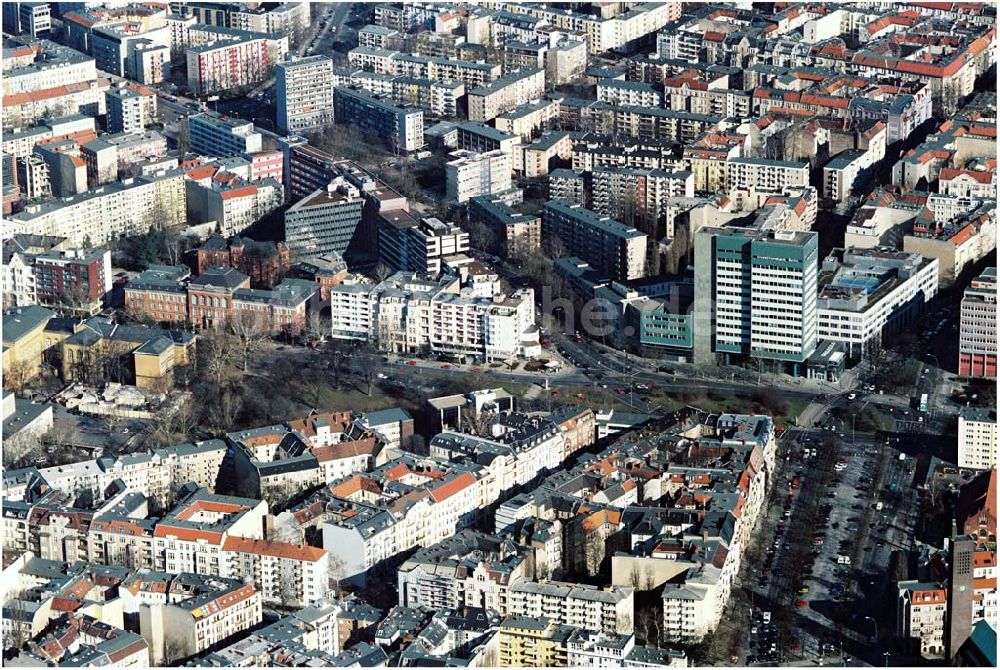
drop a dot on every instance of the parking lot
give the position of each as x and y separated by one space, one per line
828 544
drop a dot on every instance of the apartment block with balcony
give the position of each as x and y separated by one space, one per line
579 605
529 641
473 174
399 127
610 246
977 438
222 136
521 233
506 93
304 90
763 174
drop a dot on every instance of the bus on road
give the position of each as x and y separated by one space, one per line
923 403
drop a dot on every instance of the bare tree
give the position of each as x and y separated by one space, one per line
554 247
215 354
20 450
318 328
116 358
250 331
382 272
17 631
77 299
287 591
230 404
369 365
648 579
593 552
484 237
476 423
17 375
335 355
337 569
173 425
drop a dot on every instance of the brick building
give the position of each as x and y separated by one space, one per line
264 262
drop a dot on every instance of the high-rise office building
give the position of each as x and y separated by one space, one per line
977 345
755 294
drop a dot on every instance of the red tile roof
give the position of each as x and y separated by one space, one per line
947 174
246 545
164 529
453 487
240 192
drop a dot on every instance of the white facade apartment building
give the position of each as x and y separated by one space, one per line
221 137
597 649
197 547
385 61
471 174
422 583
479 137
440 98
603 34
967 183
691 609
639 194
119 209
129 110
984 585
26 109
177 630
372 59
409 314
19 287
46 66
921 613
433 242
525 119
621 92
762 174
369 530
977 438
152 474
469 73
304 90
871 290
283 573
506 93
580 605
840 175
375 37
236 209
33 176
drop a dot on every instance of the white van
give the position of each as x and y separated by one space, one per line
844 560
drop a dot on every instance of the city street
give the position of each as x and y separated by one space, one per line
827 548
